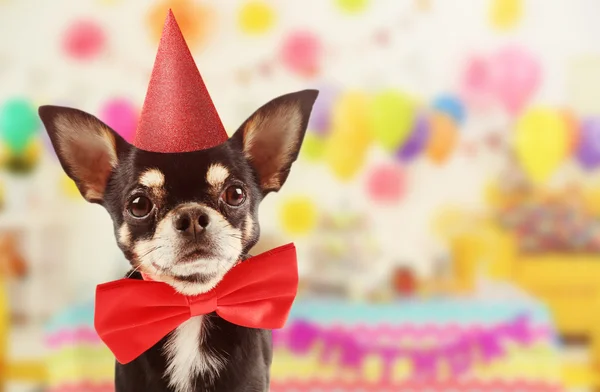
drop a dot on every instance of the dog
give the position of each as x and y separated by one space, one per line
186 219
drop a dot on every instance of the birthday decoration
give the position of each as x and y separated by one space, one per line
313 147
516 75
392 117
195 19
24 162
476 85
84 40
69 188
559 222
301 53
348 143
452 106
416 141
573 125
541 142
298 215
459 355
18 124
352 6
122 116
505 14
320 117
386 183
256 17
588 151
443 137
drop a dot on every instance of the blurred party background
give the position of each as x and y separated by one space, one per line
445 205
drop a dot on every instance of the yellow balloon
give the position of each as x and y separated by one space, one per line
542 142
298 215
350 117
313 147
352 6
392 118
256 17
505 14
350 137
69 187
345 155
33 151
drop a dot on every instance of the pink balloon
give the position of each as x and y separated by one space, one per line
476 86
84 40
122 116
516 75
301 52
387 183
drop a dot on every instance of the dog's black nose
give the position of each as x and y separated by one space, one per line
191 220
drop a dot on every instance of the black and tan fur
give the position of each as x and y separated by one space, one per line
193 233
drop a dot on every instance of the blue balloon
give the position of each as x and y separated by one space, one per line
452 106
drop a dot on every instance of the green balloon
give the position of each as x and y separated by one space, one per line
18 123
313 147
392 118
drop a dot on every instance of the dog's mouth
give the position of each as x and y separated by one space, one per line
194 256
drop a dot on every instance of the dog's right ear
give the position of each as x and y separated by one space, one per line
87 149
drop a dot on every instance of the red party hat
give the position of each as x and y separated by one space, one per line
178 113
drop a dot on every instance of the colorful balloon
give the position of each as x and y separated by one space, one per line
452 106
25 161
573 129
443 137
195 19
313 147
350 117
320 117
302 52
298 215
542 142
392 118
18 123
476 87
588 152
416 142
386 183
352 6
84 40
345 155
70 188
505 14
121 115
516 75
256 17
4 154
350 138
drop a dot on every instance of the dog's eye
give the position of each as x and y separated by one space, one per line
140 207
234 195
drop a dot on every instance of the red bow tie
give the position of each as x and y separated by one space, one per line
132 315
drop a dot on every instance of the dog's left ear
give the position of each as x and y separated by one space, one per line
271 138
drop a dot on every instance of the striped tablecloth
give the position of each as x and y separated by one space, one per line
422 345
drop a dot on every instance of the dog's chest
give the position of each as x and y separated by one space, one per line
188 357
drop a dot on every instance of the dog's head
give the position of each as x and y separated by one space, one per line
183 218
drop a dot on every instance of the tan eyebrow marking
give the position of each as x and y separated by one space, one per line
216 175
153 178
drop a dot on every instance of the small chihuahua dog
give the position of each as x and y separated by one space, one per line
186 219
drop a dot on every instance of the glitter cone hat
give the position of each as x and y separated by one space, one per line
178 113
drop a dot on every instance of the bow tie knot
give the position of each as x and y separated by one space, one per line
203 303
133 315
